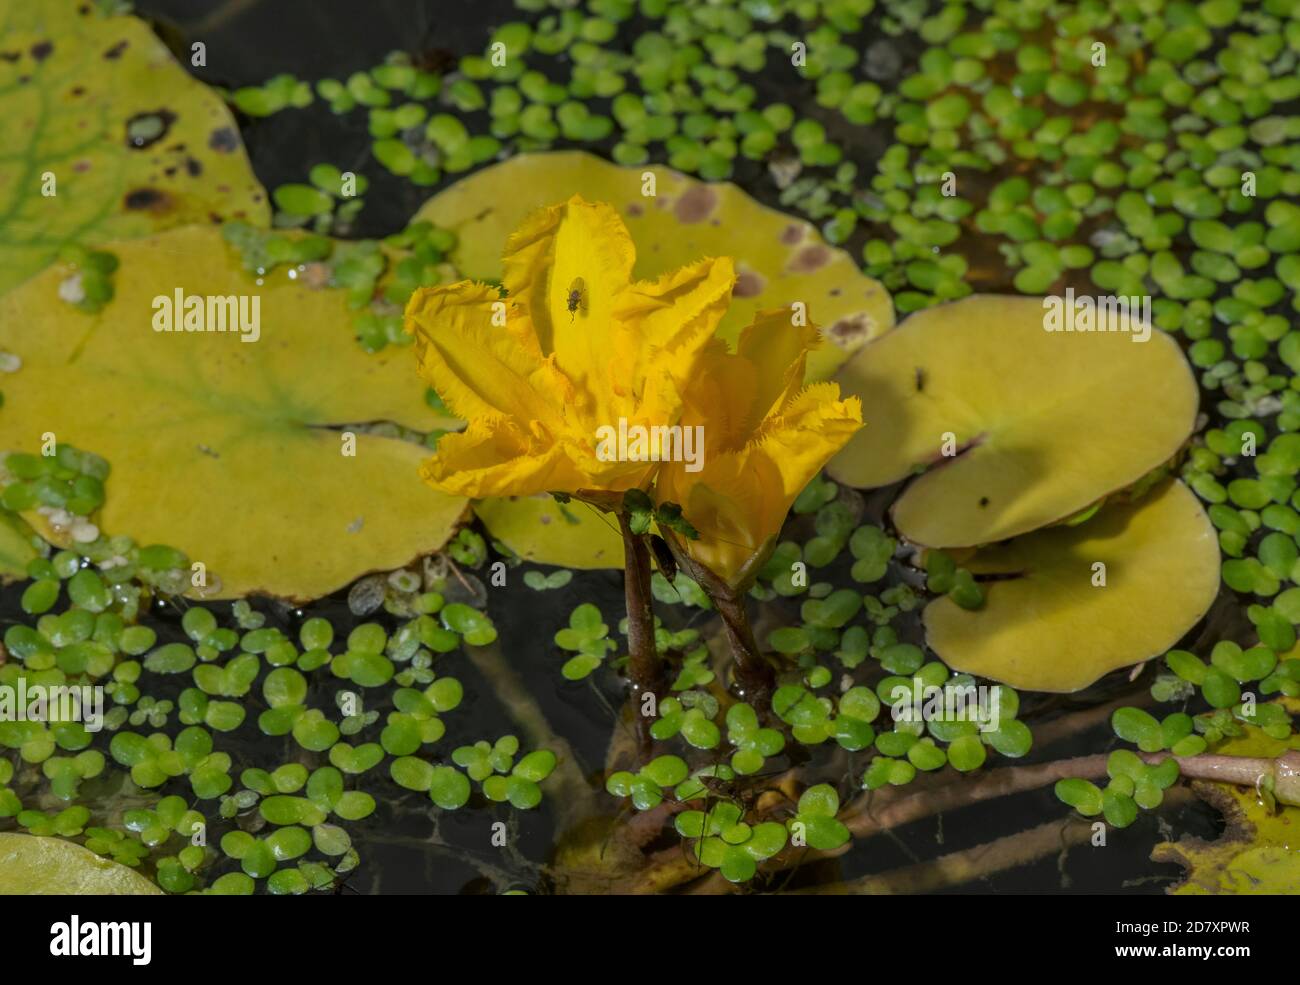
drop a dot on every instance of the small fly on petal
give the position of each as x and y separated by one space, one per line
577 299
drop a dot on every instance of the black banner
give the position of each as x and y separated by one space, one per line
143 936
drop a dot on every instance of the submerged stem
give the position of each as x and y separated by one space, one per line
754 674
1246 771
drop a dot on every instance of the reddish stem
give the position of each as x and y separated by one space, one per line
645 667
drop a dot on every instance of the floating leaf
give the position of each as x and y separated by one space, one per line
1038 424
54 867
226 449
1047 625
539 529
779 259
132 142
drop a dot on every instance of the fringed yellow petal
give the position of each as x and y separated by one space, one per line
494 457
725 505
478 368
778 349
666 325
720 397
740 499
680 310
567 265
808 432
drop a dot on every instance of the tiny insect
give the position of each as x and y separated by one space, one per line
576 301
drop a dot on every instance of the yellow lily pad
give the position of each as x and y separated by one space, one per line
16 546
231 451
779 259
1049 625
106 137
1259 850
31 866
1012 427
539 529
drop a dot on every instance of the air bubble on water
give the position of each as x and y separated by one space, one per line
367 595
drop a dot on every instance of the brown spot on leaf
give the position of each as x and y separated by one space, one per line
115 52
224 140
42 50
634 209
810 258
791 235
748 284
192 167
696 204
851 331
147 200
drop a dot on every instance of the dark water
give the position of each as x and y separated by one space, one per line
408 845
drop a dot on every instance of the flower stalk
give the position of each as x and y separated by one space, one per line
645 666
754 675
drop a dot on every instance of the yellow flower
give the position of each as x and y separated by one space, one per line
574 345
765 437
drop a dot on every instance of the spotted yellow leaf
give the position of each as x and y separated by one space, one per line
106 137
